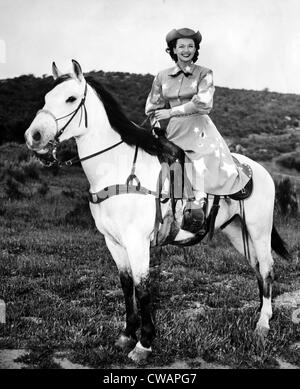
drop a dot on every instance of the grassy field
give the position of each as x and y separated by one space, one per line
62 290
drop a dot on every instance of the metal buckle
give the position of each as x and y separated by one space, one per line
94 198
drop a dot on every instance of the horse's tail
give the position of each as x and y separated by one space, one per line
278 245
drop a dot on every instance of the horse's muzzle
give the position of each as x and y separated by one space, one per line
34 139
41 131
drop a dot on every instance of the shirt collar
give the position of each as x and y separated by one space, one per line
187 70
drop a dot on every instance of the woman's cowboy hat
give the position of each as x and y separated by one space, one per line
183 33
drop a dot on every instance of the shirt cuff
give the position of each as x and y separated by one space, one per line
184 109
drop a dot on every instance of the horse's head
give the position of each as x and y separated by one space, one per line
64 114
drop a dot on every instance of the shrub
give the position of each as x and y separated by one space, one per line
14 152
286 197
12 189
69 193
15 176
290 161
31 168
43 189
80 215
10 170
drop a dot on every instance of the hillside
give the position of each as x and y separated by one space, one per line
261 124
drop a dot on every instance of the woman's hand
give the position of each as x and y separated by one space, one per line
162 114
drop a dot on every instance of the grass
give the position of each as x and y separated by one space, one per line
62 289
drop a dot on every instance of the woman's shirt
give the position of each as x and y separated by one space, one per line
185 93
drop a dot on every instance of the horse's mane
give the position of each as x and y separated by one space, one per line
130 133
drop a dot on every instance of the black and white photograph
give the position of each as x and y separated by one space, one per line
150 187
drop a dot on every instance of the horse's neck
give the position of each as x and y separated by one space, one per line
99 135
111 167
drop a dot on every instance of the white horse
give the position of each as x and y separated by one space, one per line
127 220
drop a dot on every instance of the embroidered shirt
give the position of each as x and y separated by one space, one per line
186 91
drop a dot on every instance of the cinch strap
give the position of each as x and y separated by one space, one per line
114 190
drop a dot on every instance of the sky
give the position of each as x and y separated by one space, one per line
250 44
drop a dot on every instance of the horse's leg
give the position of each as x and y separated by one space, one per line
262 263
259 209
128 337
259 220
139 257
265 275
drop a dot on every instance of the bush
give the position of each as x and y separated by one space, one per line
69 193
80 215
21 171
31 168
43 189
15 172
14 152
12 189
286 197
290 161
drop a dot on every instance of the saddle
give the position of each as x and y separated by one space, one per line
245 192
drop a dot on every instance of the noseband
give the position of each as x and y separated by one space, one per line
50 160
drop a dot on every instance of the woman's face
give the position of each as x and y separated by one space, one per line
185 49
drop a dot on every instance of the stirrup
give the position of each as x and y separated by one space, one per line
194 217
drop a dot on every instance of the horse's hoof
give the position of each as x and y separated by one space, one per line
140 354
125 342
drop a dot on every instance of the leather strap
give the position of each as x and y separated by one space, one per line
76 159
114 190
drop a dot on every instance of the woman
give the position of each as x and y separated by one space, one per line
184 94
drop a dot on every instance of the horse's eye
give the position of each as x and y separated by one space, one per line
71 99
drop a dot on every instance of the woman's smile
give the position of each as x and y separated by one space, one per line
185 49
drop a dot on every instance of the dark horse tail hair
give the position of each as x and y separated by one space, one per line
278 245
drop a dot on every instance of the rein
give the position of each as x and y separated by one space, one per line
74 160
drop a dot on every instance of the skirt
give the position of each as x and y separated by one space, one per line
209 164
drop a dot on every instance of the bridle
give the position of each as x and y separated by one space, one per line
52 145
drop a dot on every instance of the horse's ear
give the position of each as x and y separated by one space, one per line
77 70
56 73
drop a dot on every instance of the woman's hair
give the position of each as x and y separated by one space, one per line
172 45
